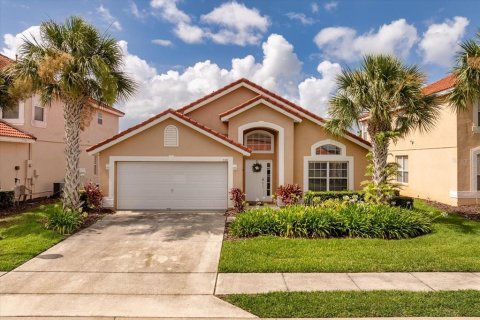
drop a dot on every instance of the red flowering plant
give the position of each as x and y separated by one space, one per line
238 198
93 196
289 194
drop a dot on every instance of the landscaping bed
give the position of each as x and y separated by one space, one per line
451 246
360 304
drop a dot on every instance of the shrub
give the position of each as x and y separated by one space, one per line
316 197
343 220
62 221
93 196
238 198
6 199
289 194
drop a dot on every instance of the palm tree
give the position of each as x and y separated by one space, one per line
467 74
391 94
73 63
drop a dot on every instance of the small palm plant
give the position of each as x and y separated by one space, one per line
73 63
467 74
391 94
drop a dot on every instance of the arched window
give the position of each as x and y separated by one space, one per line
327 149
259 141
170 136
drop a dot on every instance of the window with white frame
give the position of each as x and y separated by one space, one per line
14 115
99 118
402 171
39 113
327 149
259 141
327 175
170 136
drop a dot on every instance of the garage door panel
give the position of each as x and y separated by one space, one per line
174 185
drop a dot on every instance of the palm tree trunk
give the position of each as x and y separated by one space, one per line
380 154
71 193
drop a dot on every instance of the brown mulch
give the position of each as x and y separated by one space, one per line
24 206
470 212
94 216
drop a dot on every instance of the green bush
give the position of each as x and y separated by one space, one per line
6 199
62 221
342 219
402 201
315 197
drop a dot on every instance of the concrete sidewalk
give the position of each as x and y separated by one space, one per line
236 283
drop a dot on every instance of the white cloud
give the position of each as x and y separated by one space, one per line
236 24
108 18
189 33
315 92
440 41
300 17
13 42
280 71
315 7
330 5
137 13
162 42
169 11
343 43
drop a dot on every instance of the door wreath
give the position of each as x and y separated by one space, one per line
256 167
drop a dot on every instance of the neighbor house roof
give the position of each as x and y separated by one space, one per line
262 91
12 133
160 117
289 112
441 85
6 61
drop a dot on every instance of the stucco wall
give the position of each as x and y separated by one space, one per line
12 154
47 154
468 139
432 159
209 113
150 143
308 133
266 114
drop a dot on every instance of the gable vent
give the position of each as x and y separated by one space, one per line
170 136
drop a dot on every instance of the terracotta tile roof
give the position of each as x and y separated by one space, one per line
272 94
443 84
260 97
175 113
6 61
8 130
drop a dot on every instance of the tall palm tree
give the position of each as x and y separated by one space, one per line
391 94
72 63
467 74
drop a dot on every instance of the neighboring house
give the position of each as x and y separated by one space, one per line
442 164
241 135
32 145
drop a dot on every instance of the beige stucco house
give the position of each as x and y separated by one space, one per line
443 164
241 135
32 145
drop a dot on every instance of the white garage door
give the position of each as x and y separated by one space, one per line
172 185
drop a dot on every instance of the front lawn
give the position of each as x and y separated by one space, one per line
23 236
452 246
360 304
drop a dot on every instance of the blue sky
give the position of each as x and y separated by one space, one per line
179 50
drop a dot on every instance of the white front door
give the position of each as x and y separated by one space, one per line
258 180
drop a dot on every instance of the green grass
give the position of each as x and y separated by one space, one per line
22 237
452 246
360 304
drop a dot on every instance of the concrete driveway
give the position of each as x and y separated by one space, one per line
131 264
